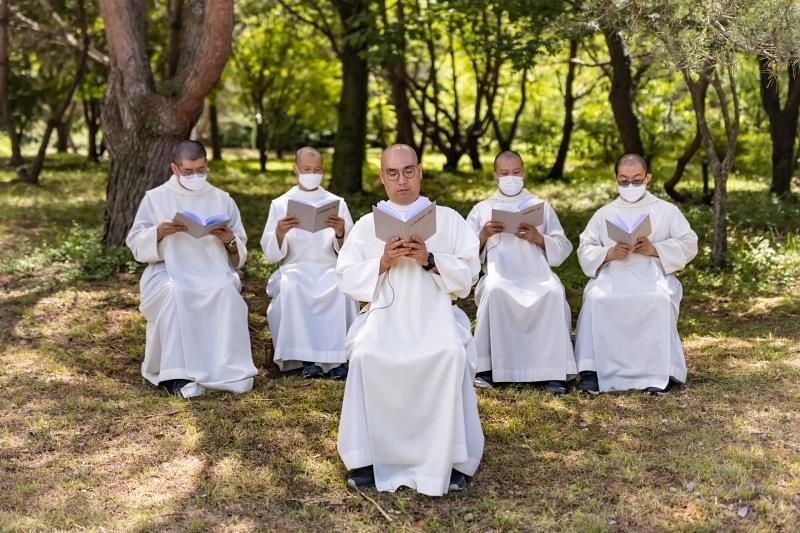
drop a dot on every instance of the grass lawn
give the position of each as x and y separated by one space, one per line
85 444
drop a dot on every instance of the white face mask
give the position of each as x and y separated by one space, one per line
510 185
195 182
310 181
632 193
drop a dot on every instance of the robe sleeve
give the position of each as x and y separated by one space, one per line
269 241
591 252
676 251
358 275
556 245
458 268
239 234
142 239
344 213
475 223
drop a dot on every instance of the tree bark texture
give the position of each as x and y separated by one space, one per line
141 124
782 122
622 94
351 134
557 171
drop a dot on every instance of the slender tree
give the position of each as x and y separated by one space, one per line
6 113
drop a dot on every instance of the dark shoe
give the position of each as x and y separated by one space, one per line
177 385
339 373
556 387
483 380
458 481
312 370
588 383
361 478
655 391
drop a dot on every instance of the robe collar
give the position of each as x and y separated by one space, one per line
173 185
647 199
311 195
403 208
523 196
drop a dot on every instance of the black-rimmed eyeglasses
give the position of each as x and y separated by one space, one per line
393 174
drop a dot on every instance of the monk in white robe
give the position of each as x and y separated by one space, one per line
627 335
523 324
409 416
308 315
197 336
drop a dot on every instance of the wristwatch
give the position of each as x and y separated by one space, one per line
431 263
231 242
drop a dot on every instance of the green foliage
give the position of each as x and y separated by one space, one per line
76 255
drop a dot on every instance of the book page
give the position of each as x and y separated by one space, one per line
532 215
423 224
196 227
312 217
619 232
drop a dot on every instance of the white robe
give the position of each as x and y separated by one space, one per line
308 316
409 407
628 326
196 318
523 323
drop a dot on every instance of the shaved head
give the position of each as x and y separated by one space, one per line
509 156
398 149
305 152
628 160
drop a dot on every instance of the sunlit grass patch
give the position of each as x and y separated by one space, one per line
85 443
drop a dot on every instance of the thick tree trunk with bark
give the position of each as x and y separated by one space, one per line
142 125
782 122
351 134
622 94
557 171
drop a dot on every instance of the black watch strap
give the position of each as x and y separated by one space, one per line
431 263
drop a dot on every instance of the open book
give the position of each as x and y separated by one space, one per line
312 215
529 211
197 227
619 231
420 220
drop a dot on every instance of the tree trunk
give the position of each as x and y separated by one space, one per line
216 141
142 126
397 77
782 122
622 94
57 114
473 136
17 161
91 114
683 160
451 157
351 133
142 165
62 137
261 142
557 172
